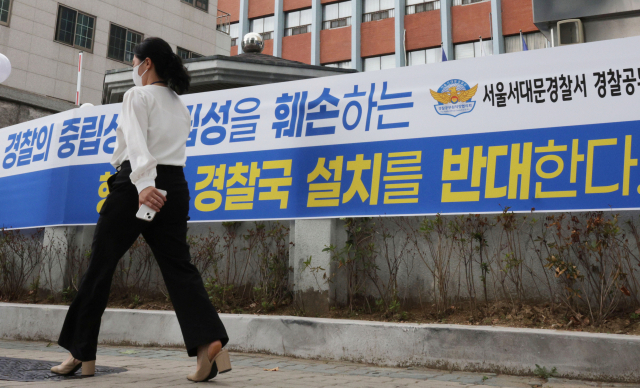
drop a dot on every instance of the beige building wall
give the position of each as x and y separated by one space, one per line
42 65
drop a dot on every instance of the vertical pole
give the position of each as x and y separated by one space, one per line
316 27
243 23
79 86
399 10
278 24
496 27
521 45
445 23
356 20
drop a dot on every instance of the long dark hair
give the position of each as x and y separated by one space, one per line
168 64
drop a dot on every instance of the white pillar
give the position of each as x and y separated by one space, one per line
445 23
54 266
496 27
311 288
278 25
243 23
316 27
399 12
356 20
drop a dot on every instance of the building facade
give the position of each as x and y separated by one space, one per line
378 34
42 39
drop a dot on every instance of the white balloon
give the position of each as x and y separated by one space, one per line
86 105
5 68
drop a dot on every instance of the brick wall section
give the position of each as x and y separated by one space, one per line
469 22
335 45
517 15
268 47
231 7
259 8
292 5
423 30
297 48
329 1
377 38
234 50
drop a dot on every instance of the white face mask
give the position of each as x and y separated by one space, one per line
137 79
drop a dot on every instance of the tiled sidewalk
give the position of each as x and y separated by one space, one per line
162 367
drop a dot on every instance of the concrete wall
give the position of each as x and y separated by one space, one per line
12 113
18 106
45 66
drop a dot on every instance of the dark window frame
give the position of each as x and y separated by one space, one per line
191 53
8 22
125 42
75 25
194 2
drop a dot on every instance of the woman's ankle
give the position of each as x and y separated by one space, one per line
214 348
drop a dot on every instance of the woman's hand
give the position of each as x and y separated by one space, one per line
151 197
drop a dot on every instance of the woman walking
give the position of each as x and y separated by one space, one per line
150 154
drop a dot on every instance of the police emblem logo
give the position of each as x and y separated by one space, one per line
454 98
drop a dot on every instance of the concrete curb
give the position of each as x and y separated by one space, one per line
604 357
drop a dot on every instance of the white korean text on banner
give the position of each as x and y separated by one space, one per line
551 130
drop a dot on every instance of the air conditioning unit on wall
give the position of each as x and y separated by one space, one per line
570 31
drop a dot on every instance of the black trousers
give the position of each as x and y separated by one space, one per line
117 229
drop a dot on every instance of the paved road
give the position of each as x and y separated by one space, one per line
168 367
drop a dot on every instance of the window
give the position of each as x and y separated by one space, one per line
336 15
465 2
297 22
200 4
74 28
377 10
233 33
421 57
222 22
380 63
5 11
417 6
121 43
263 26
473 49
186 54
339 65
534 40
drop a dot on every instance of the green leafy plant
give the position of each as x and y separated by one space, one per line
544 373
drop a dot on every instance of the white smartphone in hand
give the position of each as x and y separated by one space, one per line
145 212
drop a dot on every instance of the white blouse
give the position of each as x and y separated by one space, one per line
154 127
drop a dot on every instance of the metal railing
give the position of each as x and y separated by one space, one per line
423 7
336 23
234 42
465 2
223 22
378 15
297 30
